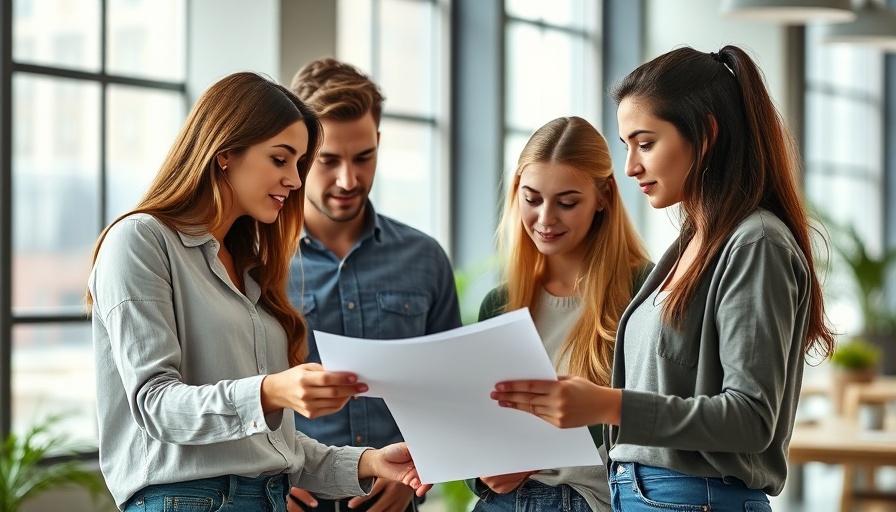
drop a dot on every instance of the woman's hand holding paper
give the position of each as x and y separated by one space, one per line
568 402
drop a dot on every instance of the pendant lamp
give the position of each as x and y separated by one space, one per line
789 12
874 26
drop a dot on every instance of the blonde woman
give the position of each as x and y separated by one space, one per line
574 259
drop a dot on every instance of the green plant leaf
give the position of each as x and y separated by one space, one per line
869 273
856 354
457 496
26 472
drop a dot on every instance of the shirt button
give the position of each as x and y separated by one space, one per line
407 306
358 439
351 305
356 397
306 241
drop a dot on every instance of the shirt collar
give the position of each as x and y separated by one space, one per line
372 227
194 240
253 290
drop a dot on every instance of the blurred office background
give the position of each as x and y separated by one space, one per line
92 93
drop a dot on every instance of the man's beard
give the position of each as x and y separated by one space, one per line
340 215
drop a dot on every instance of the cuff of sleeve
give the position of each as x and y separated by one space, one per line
247 402
639 417
346 471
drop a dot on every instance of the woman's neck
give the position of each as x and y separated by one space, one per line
561 277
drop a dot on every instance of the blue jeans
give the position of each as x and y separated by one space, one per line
534 496
219 494
635 487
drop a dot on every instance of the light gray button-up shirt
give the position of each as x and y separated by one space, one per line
180 356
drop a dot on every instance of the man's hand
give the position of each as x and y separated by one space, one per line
297 495
502 484
387 496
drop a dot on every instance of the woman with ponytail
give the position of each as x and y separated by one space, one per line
710 353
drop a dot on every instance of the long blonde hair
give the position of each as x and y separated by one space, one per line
235 113
614 253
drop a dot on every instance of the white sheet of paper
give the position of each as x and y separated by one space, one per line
438 388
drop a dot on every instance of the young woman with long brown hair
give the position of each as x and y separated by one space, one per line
198 351
710 353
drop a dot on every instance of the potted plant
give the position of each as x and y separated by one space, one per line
854 361
869 274
856 356
39 461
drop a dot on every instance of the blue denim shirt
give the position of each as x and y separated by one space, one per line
396 282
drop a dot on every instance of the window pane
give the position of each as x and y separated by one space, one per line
566 13
355 33
535 98
406 71
142 125
513 146
64 33
405 184
398 43
55 199
53 374
844 155
146 38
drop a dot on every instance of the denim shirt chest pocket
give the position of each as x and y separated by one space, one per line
308 307
402 314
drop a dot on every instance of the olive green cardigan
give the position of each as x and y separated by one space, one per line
493 305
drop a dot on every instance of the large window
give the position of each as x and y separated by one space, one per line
844 153
97 96
401 44
551 67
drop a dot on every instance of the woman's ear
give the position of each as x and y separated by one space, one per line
222 160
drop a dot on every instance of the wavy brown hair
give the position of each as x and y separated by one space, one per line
337 90
613 255
719 101
186 195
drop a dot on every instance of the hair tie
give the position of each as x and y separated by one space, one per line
716 57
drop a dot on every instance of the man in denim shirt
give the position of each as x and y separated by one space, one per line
359 273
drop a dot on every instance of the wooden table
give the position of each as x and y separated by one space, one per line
842 441
880 391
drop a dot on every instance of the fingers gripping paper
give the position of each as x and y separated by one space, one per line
438 388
